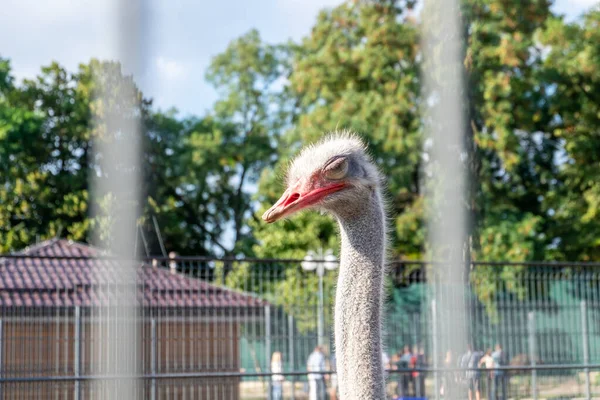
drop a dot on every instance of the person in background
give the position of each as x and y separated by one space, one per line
474 376
499 381
487 362
396 377
415 374
277 378
404 377
463 381
316 363
420 362
333 390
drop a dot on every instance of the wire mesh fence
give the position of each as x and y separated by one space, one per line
243 329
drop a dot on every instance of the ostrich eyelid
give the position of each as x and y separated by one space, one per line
336 168
338 160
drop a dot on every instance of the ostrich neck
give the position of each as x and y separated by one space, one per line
358 305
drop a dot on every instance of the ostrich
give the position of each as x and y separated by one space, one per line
337 176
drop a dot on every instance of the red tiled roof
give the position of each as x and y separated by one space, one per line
75 277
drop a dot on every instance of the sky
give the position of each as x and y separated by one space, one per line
183 36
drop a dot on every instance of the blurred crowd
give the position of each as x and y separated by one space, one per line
476 373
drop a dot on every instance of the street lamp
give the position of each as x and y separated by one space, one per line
320 261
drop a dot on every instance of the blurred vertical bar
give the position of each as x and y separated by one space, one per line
291 355
77 352
446 176
268 348
116 194
585 337
436 351
532 353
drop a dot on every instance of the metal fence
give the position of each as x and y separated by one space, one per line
209 328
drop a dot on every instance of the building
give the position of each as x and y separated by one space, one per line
50 327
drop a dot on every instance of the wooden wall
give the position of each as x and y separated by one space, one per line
46 347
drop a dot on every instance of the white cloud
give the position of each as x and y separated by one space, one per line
170 69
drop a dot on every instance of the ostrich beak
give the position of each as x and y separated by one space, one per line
294 199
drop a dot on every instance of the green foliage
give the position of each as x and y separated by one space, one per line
572 63
533 144
201 172
198 172
47 150
358 70
533 119
43 155
190 174
510 118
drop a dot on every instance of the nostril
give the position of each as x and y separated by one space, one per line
293 197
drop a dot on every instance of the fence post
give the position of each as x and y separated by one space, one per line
436 378
532 352
153 358
268 346
586 351
77 351
291 355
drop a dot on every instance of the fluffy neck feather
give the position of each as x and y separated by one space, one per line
359 300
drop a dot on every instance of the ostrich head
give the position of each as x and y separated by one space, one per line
334 175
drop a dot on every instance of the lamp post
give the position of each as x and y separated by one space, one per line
319 262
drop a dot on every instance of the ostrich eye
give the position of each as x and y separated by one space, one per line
336 169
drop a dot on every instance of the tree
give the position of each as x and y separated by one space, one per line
532 115
357 70
50 125
533 118
249 74
44 152
186 183
203 170
512 125
22 184
198 172
572 59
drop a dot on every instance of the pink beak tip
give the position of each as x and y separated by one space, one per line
266 216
